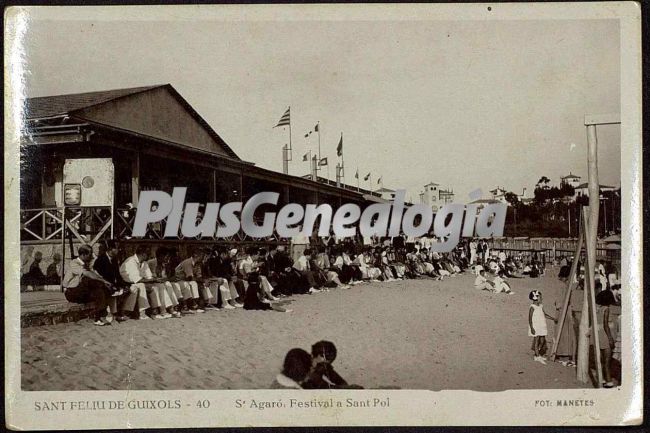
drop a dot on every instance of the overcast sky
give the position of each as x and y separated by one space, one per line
467 104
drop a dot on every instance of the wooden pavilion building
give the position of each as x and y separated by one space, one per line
156 141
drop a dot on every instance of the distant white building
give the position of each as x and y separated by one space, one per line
498 194
435 196
570 179
583 189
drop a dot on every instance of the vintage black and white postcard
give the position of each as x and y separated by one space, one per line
323 215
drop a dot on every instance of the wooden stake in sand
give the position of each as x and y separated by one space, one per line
567 295
588 331
582 363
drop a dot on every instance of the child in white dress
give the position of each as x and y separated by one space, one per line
537 325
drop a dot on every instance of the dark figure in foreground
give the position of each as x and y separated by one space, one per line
322 374
297 364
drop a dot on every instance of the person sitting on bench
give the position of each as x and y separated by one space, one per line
82 285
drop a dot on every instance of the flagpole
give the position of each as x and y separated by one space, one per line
318 127
285 159
342 161
290 148
358 179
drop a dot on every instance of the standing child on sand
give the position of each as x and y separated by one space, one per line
537 325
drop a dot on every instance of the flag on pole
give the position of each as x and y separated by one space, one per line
316 128
285 119
323 161
378 181
367 177
306 135
304 157
356 175
339 148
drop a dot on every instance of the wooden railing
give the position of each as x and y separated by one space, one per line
90 224
87 224
41 224
553 247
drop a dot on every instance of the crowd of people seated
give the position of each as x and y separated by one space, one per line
161 284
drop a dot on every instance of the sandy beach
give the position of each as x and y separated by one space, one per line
413 334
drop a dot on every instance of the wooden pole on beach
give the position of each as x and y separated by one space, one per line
592 233
567 295
582 363
588 330
592 238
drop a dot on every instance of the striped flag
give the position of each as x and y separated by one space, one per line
285 119
323 161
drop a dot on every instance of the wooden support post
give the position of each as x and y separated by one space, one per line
592 233
135 179
588 320
62 235
567 297
213 187
582 363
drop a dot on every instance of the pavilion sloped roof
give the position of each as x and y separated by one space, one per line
114 108
49 106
